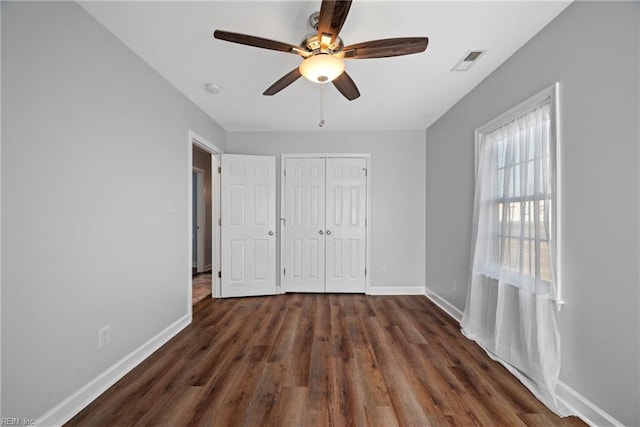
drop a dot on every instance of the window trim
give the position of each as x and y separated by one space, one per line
551 93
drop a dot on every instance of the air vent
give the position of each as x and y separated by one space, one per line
468 59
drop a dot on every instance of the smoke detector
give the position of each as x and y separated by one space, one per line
212 88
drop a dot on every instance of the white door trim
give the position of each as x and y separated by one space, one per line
215 151
281 229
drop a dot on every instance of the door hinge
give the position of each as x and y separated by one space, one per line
285 172
365 171
284 271
220 222
220 274
219 169
365 271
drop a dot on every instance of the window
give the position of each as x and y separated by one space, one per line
517 187
513 298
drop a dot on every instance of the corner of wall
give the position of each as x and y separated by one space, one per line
445 305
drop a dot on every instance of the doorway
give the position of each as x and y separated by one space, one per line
201 227
203 219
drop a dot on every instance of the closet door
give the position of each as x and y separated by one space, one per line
304 213
346 203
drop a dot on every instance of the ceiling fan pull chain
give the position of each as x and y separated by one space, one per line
321 123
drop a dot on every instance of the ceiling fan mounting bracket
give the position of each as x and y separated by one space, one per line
312 43
314 20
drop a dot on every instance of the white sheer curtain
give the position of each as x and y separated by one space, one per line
512 309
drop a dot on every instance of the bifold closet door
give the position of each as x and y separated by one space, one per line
346 209
304 223
324 229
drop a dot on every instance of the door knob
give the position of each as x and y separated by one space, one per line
328 232
320 232
270 233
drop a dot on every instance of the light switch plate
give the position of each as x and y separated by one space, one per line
171 206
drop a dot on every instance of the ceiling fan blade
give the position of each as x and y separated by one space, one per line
346 86
386 47
332 17
260 42
285 81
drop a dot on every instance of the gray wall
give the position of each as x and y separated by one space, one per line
94 144
397 219
592 49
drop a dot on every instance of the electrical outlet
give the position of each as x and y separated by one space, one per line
104 336
454 285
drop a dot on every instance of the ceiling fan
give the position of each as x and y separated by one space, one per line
324 51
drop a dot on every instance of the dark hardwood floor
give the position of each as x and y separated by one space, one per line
319 360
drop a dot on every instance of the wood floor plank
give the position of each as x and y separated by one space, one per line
183 401
382 416
231 401
285 337
319 360
292 410
407 407
266 396
302 346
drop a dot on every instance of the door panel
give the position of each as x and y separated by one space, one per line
304 215
346 183
248 225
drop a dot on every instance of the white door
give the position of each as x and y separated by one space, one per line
304 210
248 216
346 185
325 207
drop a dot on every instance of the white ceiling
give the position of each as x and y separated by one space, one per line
410 92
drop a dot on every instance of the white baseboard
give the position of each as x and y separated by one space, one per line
449 308
396 290
569 400
572 402
208 267
73 404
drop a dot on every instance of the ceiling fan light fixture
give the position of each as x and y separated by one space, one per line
322 68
